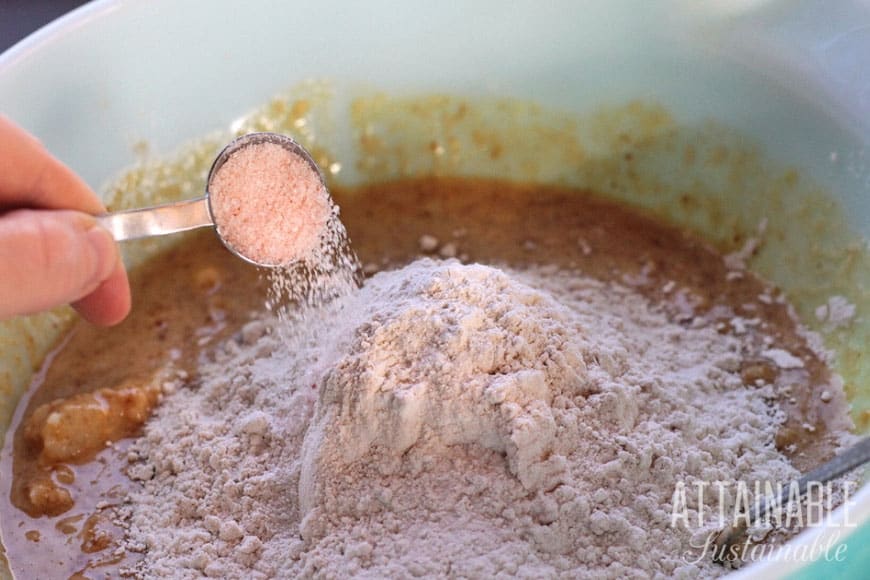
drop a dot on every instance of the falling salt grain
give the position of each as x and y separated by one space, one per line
271 206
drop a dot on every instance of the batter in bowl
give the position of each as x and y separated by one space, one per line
509 404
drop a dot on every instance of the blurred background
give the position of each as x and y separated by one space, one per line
18 18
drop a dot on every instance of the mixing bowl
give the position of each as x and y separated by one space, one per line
118 77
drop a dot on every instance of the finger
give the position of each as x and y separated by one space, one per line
110 303
48 258
31 177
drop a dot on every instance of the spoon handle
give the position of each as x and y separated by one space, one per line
729 536
158 220
854 457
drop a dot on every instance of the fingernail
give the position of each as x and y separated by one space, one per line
105 253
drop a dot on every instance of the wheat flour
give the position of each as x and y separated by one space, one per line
450 420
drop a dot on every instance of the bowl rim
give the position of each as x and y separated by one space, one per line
81 16
64 24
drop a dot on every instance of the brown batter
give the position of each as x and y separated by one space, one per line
67 455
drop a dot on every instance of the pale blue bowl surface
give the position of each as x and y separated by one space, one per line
794 76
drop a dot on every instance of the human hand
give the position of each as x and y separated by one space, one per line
52 251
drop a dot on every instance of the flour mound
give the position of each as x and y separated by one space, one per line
447 355
452 420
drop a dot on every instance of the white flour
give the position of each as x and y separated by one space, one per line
451 420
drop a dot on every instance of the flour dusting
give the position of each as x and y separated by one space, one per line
451 420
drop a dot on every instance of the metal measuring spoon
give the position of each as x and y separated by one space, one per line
190 214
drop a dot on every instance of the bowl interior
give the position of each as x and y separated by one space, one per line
117 78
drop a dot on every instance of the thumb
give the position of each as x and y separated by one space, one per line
51 257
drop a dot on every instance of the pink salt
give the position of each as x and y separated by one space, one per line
269 204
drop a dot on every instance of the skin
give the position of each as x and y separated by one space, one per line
52 251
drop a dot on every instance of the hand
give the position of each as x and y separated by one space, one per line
52 251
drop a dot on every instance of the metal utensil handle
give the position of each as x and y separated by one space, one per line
158 220
853 457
